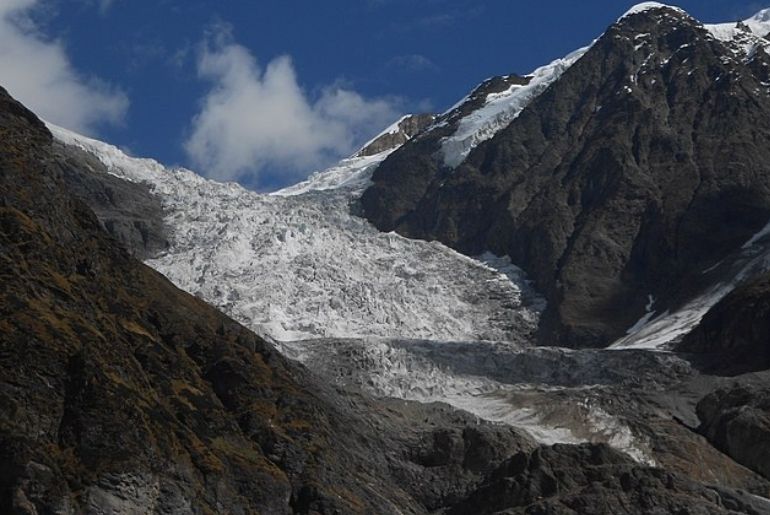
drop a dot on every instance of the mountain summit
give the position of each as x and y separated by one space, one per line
641 165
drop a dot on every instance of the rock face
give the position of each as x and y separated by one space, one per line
735 334
642 165
593 479
737 421
128 211
401 132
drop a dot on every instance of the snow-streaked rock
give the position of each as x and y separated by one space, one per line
355 172
661 331
744 37
500 109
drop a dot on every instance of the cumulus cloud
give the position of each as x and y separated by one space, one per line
258 121
38 72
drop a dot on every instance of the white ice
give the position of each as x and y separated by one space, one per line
299 265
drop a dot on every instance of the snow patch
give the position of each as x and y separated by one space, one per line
500 109
660 332
394 128
354 173
763 233
759 23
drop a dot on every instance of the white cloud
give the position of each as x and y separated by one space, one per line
255 120
38 73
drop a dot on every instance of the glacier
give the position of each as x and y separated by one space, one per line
375 311
369 310
298 265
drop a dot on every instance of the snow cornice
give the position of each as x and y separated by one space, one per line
650 6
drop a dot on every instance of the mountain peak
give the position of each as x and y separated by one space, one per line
763 15
597 136
760 23
649 6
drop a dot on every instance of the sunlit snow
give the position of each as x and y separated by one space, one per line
648 6
500 109
299 265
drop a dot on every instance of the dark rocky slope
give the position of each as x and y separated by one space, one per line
590 480
736 419
644 164
733 339
127 210
734 336
119 393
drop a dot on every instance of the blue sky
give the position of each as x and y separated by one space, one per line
267 91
